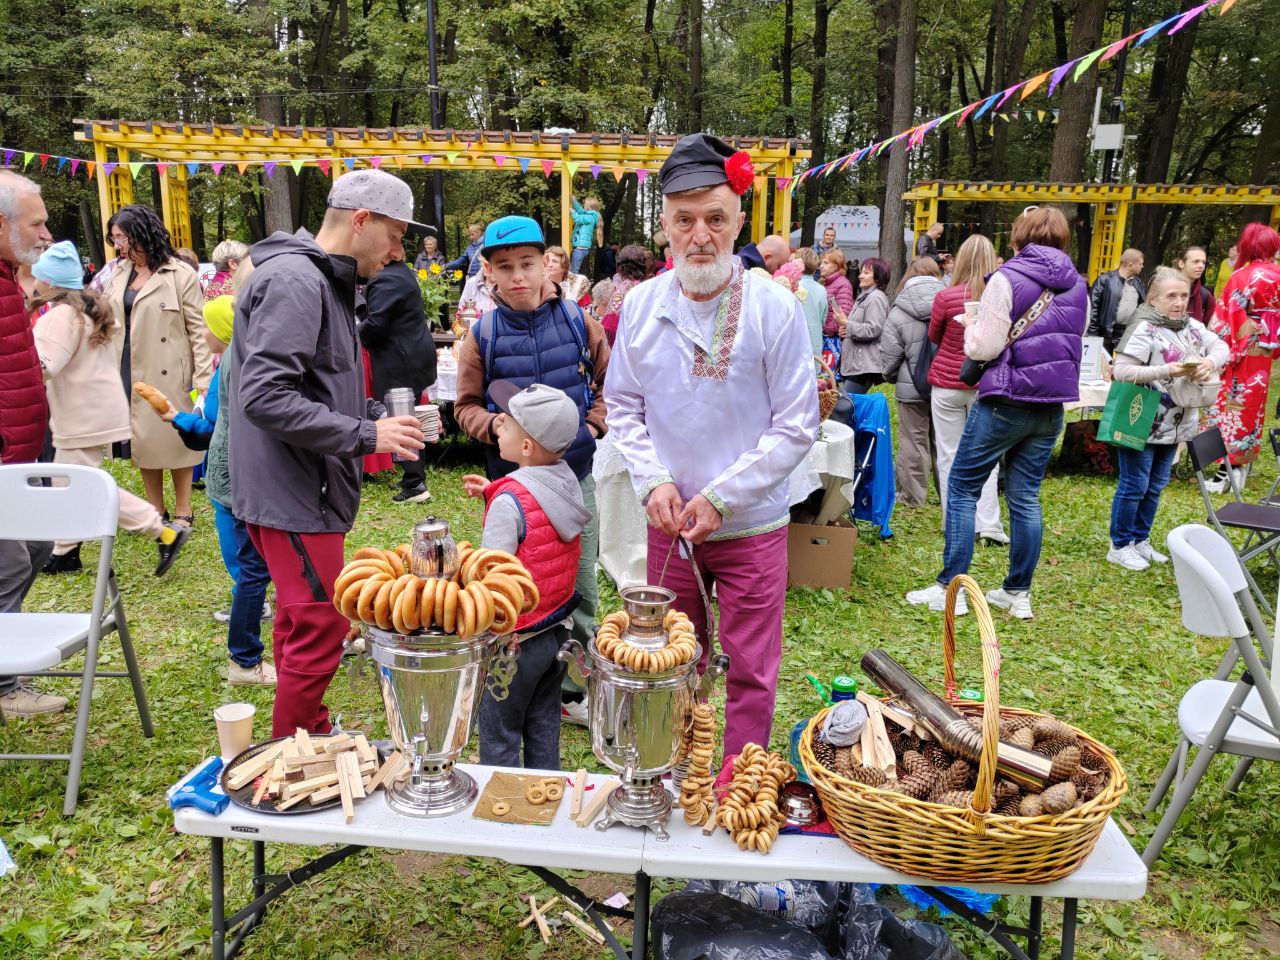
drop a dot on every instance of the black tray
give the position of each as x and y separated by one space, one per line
244 796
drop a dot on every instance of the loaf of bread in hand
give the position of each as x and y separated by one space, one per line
159 402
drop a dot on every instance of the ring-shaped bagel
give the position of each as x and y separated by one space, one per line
364 604
382 606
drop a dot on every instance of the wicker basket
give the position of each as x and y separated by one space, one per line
949 844
826 398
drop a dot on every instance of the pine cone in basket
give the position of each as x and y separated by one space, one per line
1087 785
1005 790
1049 728
868 776
1055 745
955 798
917 786
915 765
1010 725
1031 805
1066 763
824 753
842 761
1010 807
1022 738
1059 798
954 777
937 757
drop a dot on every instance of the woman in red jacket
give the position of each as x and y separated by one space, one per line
951 398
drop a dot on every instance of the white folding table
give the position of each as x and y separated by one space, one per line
1113 871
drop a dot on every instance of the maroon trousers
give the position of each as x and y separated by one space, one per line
750 577
308 630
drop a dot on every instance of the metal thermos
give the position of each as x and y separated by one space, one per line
948 725
400 402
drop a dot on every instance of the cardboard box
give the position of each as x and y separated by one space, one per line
819 556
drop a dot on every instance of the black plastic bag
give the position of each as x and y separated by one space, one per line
695 924
873 932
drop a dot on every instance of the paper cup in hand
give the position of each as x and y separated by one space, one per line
971 308
235 729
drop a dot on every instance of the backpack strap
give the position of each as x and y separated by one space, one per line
486 332
578 325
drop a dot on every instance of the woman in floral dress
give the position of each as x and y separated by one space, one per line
1248 319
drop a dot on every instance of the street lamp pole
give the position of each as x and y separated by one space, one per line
1117 96
437 120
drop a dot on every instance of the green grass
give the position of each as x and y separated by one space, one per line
1106 651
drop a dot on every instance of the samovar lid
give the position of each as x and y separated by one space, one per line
431 527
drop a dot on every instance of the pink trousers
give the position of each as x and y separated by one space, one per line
750 576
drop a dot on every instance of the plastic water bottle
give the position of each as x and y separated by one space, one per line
843 688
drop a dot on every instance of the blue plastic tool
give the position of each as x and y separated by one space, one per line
200 789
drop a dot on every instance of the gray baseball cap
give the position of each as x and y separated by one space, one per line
545 413
377 192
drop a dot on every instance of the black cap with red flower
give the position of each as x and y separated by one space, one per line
701 160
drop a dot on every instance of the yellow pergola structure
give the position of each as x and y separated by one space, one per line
1111 204
177 144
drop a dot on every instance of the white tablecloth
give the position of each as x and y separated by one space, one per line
1093 394
829 465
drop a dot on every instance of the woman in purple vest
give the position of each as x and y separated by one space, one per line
1031 371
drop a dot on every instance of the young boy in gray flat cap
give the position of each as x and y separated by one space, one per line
536 513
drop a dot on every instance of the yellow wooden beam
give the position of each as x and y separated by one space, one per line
566 209
782 200
1187 194
759 208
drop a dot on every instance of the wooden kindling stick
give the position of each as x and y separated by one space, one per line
534 911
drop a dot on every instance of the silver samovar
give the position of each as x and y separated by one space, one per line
638 720
431 687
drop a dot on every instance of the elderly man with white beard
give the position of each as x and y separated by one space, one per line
712 403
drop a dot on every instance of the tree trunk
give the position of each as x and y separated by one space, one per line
1266 159
1154 146
788 44
886 47
817 121
892 248
92 233
1071 141
695 66
277 205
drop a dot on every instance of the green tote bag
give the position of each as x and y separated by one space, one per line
1128 415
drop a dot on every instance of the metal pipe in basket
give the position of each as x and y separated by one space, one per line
948 725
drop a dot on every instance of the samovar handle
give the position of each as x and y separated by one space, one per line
572 652
717 667
358 648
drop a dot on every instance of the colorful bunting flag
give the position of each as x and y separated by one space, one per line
192 168
44 160
426 158
1191 15
784 183
62 162
1007 94
109 168
75 164
375 162
1033 84
242 165
297 167
324 166
547 167
1086 62
135 167
452 156
89 166
27 157
499 159
964 114
1150 32
1226 6
270 169
349 162
163 168
1040 115
8 155
595 169
987 105
618 173
524 163
572 166
1058 75
642 174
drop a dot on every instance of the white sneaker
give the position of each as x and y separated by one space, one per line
1128 557
224 616
935 597
25 700
261 674
1147 552
1217 486
1017 602
997 536
574 712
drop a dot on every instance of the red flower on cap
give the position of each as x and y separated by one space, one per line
740 171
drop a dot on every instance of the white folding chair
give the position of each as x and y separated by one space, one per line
1240 717
86 508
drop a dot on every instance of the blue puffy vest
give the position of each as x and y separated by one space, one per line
547 345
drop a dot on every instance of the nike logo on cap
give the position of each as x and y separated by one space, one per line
502 235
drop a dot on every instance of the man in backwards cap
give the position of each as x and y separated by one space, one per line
712 403
299 425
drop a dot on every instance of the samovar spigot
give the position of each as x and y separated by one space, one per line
573 652
420 750
717 668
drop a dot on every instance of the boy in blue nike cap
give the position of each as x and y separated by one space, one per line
533 336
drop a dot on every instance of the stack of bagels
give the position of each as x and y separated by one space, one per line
680 648
490 592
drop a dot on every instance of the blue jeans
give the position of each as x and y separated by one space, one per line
1025 439
244 632
577 257
225 524
1143 476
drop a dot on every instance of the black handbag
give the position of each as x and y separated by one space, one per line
971 370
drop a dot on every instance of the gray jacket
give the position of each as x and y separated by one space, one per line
865 323
297 404
905 333
217 475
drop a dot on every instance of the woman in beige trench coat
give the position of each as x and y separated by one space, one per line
157 302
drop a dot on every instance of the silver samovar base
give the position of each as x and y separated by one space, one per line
433 796
643 803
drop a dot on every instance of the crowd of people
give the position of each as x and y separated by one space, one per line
265 378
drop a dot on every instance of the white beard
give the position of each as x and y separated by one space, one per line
704 280
27 255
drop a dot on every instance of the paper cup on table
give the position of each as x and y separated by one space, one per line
235 729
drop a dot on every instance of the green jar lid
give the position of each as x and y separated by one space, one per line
968 694
845 685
